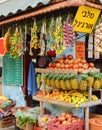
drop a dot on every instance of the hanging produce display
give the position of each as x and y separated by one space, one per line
16 44
98 37
51 33
69 34
59 35
6 41
42 38
34 38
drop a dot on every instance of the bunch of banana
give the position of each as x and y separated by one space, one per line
90 79
68 82
83 82
96 84
62 82
74 82
38 79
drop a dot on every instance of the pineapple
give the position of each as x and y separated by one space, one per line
83 82
57 81
74 82
90 79
52 81
101 80
38 79
96 84
47 77
62 82
68 82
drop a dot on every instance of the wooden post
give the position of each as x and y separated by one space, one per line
41 108
87 118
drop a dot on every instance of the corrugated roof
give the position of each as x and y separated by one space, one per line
12 6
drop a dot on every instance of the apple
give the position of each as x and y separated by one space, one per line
91 64
61 61
63 56
85 66
70 57
66 65
54 64
63 114
58 65
75 66
66 61
62 66
62 118
69 115
83 61
80 65
64 122
50 64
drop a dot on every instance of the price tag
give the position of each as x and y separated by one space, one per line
85 19
80 49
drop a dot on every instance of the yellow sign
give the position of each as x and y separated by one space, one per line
85 19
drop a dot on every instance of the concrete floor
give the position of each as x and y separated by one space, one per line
8 128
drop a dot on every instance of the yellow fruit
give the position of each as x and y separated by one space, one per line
94 97
83 85
57 83
90 81
96 85
101 82
74 83
63 85
68 84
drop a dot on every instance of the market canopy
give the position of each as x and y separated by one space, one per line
12 6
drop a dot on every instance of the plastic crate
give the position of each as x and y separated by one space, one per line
73 126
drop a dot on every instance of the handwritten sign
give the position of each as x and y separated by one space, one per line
80 49
85 19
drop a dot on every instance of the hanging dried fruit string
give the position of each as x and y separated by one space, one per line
69 34
51 32
16 44
42 38
34 38
59 35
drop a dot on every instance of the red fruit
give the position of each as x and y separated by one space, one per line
70 57
84 61
69 115
66 61
64 122
85 66
53 64
91 64
63 56
58 65
80 65
62 66
61 61
50 64
63 114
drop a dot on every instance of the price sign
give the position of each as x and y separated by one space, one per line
85 19
80 49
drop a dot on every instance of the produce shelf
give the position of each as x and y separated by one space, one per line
86 104
46 70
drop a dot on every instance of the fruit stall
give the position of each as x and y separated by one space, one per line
65 49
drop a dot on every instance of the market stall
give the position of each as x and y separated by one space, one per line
54 54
